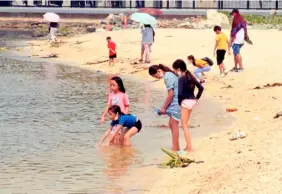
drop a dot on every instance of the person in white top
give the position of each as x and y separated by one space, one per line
238 34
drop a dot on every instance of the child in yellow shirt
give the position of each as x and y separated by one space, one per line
221 45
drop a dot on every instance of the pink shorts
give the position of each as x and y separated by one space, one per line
188 103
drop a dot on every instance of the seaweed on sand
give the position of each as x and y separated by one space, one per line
176 161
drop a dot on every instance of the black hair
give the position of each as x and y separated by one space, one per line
154 69
149 26
115 109
109 38
119 82
217 28
180 64
235 11
191 57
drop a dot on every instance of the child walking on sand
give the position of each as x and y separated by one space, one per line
203 66
112 51
221 45
120 120
186 98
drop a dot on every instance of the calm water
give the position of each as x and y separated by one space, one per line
49 125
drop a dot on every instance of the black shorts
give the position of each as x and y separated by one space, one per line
220 56
113 56
138 125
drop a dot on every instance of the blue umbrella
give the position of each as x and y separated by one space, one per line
144 18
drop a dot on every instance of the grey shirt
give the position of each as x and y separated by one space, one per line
147 35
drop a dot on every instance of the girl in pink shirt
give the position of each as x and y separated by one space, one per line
118 97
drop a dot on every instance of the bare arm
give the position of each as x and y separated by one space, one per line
112 50
229 45
126 111
117 129
168 99
106 134
215 46
105 113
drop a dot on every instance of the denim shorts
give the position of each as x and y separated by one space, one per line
236 48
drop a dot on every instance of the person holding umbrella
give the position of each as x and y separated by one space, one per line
148 36
53 20
147 32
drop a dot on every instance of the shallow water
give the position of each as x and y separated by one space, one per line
49 125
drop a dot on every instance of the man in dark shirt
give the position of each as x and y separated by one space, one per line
53 28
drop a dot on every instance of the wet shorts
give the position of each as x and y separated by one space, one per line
138 125
220 56
113 56
188 103
236 48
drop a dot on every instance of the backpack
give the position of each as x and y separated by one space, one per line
208 60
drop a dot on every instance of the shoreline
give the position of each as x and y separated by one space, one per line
229 165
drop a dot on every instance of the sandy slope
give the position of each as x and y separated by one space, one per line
250 165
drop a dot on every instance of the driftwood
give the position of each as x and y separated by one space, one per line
278 115
176 161
53 55
276 84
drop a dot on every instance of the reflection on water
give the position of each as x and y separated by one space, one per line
117 160
49 125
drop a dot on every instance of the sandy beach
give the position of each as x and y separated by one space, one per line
249 165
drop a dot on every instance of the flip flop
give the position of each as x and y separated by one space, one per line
242 134
234 136
181 152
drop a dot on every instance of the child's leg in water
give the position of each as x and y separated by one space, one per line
121 136
132 131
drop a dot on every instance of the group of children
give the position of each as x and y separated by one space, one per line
180 101
222 44
123 125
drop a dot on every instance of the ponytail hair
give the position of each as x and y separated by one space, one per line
115 109
154 69
191 57
180 64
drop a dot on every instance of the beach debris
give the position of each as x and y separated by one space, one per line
276 84
98 61
3 49
91 29
278 115
53 55
238 135
176 161
231 109
227 87
79 42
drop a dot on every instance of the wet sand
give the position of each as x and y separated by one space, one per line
250 165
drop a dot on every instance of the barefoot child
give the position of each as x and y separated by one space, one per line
120 120
112 51
220 47
118 97
186 98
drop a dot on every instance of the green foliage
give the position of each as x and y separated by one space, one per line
65 30
258 19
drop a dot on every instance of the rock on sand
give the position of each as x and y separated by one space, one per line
216 18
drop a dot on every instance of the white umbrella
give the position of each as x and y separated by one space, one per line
51 17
